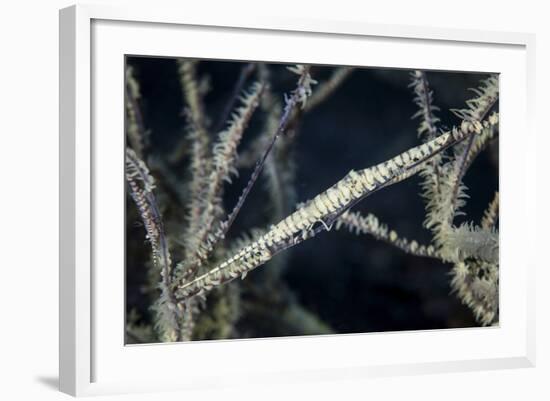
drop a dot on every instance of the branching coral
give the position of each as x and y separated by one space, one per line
323 210
141 186
208 202
208 261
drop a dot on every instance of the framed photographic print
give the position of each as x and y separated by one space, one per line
323 200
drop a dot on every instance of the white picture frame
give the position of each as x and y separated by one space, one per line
95 361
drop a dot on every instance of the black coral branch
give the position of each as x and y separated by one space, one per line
371 225
141 185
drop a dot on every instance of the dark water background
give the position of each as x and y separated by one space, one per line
353 283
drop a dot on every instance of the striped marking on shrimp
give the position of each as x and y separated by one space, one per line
368 180
376 173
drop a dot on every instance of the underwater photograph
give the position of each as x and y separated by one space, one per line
276 199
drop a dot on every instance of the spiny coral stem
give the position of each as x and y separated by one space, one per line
192 94
224 156
196 186
279 167
424 101
135 128
198 138
490 216
327 206
225 150
427 127
328 87
189 83
444 205
276 168
489 133
136 172
369 224
459 174
300 94
141 185
463 161
239 85
476 283
477 109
